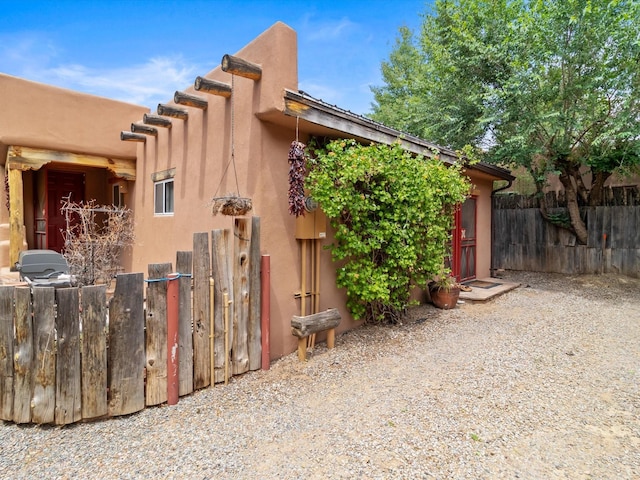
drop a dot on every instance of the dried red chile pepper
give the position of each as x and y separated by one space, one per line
297 172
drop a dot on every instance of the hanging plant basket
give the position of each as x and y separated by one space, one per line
231 205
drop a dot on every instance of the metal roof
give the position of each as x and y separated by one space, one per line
302 105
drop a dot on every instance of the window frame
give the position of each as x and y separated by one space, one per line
117 195
163 183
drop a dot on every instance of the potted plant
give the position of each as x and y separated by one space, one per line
444 291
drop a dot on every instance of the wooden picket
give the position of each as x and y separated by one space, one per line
240 350
156 334
254 334
24 367
68 355
201 311
6 353
126 355
94 351
43 400
221 267
68 391
184 261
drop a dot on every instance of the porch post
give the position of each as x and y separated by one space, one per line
16 215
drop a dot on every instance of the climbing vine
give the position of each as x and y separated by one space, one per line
392 213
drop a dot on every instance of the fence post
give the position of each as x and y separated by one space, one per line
265 318
6 353
173 383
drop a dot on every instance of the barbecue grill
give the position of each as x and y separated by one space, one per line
44 268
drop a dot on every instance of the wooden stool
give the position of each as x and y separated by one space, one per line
302 327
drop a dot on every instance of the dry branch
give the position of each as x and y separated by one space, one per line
94 239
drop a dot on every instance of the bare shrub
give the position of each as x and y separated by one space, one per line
94 239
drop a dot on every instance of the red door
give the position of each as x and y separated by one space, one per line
60 185
464 241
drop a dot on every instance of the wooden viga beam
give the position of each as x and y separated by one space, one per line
144 129
213 87
132 137
240 67
156 120
169 111
182 98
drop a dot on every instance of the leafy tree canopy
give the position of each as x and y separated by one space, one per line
553 86
392 213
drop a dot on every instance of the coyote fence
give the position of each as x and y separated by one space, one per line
523 240
74 354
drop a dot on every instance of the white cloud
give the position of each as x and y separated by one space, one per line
328 94
356 99
327 30
147 84
25 51
35 57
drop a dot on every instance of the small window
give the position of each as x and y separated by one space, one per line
163 197
118 196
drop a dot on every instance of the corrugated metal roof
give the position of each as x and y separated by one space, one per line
302 105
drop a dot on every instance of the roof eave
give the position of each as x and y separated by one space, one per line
303 106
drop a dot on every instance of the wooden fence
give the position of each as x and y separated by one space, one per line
71 354
523 240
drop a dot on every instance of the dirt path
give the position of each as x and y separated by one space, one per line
541 383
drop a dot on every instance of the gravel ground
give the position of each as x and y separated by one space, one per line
541 383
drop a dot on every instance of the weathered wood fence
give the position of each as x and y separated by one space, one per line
71 354
523 240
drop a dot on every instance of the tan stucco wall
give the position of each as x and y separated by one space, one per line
199 150
51 118
482 187
43 116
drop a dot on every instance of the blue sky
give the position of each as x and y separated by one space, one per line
142 51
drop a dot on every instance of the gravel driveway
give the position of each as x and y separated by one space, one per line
541 383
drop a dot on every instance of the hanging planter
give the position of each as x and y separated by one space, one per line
231 204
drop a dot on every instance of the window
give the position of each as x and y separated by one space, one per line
163 197
163 192
118 196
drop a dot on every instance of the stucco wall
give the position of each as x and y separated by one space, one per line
46 117
200 149
42 116
482 189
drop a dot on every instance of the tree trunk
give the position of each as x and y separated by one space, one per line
581 190
577 224
596 195
544 209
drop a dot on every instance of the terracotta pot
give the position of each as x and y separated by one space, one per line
445 299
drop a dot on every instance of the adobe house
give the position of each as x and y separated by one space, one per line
230 132
56 142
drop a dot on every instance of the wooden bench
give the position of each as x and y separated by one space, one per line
302 327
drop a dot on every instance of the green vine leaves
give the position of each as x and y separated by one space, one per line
392 213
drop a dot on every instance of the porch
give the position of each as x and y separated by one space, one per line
485 289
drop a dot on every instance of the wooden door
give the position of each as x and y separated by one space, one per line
464 241
60 185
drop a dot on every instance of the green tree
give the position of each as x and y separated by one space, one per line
392 213
553 86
